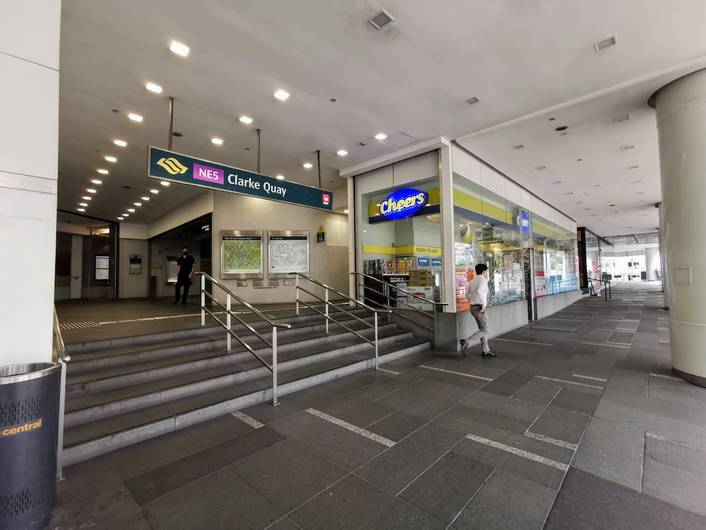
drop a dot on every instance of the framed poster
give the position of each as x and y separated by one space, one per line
172 269
135 264
241 254
102 267
287 252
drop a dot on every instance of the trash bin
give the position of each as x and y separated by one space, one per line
29 413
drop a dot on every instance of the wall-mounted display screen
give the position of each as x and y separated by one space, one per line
172 269
241 254
102 267
288 252
135 264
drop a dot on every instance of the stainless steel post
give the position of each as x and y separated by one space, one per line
296 284
376 339
275 401
60 437
228 336
326 308
203 300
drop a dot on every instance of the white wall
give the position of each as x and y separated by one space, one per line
200 205
133 285
29 127
328 261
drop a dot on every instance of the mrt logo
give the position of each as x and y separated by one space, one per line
326 199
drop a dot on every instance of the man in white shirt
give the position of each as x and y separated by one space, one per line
477 292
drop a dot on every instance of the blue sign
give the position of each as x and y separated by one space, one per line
524 222
403 203
175 167
422 262
436 262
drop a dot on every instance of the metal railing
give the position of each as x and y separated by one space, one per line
385 291
227 325
606 287
337 307
59 355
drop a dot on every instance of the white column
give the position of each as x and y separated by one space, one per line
29 142
681 120
663 257
652 263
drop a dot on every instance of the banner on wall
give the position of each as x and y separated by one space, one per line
184 169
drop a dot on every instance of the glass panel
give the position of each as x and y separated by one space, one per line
555 258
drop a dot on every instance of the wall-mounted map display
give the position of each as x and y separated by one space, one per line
288 252
241 254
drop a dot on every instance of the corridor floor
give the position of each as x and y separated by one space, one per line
577 424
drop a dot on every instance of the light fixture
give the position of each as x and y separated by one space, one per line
518 146
164 183
90 190
97 182
345 211
618 119
380 136
605 43
217 141
103 171
135 117
627 147
281 94
179 48
84 204
634 166
110 158
137 203
472 100
154 191
87 198
342 152
126 215
280 177
145 198
120 143
131 210
307 165
153 87
540 168
80 209
247 120
120 218
381 19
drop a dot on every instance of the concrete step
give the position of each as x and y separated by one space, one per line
215 339
101 436
151 358
100 405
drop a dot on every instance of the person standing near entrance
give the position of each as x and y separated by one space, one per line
477 293
186 265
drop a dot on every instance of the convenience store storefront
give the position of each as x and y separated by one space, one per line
422 219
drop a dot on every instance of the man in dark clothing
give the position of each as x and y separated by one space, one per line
185 271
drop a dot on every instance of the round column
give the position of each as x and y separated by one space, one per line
681 121
651 263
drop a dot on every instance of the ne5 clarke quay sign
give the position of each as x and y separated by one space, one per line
176 167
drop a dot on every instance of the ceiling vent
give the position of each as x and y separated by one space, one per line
382 19
618 119
605 43
472 100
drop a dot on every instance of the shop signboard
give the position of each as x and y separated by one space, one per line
403 203
184 169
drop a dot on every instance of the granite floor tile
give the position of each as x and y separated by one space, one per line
400 465
677 390
631 381
462 419
502 406
561 424
612 451
218 430
273 472
410 401
219 500
538 391
507 502
396 426
357 411
508 383
354 503
576 401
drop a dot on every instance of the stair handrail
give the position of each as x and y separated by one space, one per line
328 289
607 291
227 325
59 355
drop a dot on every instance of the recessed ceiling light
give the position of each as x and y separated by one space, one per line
627 147
96 181
342 152
80 209
120 218
154 191
634 166
110 158
345 211
636 182
145 198
131 210
247 120
280 177
557 182
153 87
380 136
587 209
164 183
518 146
472 100
540 168
83 204
102 171
623 117
90 190
135 117
605 43
281 94
179 48
561 128
126 215
137 203
307 165
381 19
217 141
87 198
640 193
569 193
579 159
120 143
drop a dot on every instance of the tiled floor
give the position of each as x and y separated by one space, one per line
581 404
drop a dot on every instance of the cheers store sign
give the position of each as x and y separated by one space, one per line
403 203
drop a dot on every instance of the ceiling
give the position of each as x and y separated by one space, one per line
525 60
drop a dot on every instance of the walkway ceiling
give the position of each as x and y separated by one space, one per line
526 61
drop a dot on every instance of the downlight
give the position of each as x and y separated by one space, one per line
605 43
381 20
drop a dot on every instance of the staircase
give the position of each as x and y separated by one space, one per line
123 391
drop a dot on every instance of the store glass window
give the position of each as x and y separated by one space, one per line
489 229
555 258
593 255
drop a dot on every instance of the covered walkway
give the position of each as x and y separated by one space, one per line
577 424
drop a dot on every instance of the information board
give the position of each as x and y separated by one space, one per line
288 252
241 254
172 269
102 267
